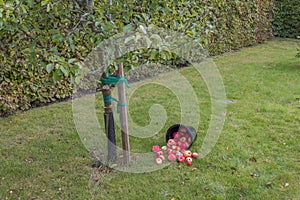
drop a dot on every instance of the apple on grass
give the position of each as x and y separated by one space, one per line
164 148
169 151
188 160
155 148
158 161
195 155
187 153
159 153
162 157
181 159
171 157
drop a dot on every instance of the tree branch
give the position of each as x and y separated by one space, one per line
80 20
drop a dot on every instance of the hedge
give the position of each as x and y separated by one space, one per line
287 18
41 41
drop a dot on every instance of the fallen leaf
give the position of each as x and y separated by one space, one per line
252 159
268 183
286 185
254 175
224 157
240 196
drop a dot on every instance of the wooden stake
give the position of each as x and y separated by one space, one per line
123 116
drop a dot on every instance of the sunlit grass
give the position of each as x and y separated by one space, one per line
42 156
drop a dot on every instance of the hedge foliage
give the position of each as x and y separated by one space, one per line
287 18
41 41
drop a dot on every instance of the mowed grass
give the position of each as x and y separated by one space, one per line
256 157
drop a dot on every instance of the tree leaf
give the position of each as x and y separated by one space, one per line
30 2
143 29
64 70
48 7
49 67
72 46
71 60
57 75
127 27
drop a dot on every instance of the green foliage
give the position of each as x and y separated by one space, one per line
37 53
287 18
43 41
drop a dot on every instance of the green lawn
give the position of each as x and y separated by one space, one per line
42 156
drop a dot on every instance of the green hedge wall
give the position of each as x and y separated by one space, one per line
42 40
287 18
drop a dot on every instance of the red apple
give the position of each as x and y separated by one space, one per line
188 160
159 153
162 157
158 161
181 159
169 150
171 142
175 135
188 163
195 155
174 147
187 153
156 148
164 148
171 157
183 146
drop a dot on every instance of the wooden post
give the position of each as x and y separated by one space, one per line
123 116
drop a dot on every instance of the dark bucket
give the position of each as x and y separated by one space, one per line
182 128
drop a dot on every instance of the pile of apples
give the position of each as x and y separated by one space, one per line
176 149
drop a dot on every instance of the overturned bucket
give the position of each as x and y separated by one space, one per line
186 134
